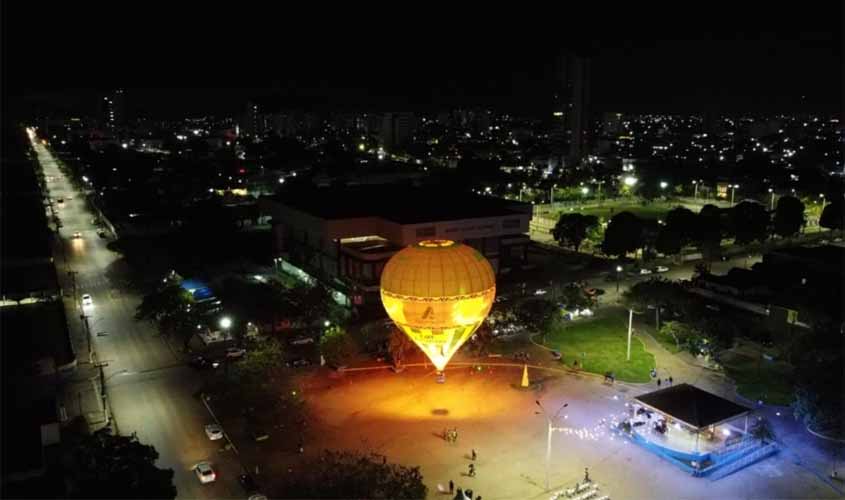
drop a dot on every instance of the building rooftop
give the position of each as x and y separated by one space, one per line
401 204
693 406
34 332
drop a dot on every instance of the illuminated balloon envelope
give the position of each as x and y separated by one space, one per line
438 292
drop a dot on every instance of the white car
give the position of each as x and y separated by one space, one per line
77 235
235 352
540 291
645 271
205 473
661 269
302 340
214 432
86 300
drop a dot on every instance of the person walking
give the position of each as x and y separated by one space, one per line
469 493
587 475
471 470
670 381
474 455
658 382
451 486
459 495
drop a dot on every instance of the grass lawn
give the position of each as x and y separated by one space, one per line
769 381
650 211
603 341
666 340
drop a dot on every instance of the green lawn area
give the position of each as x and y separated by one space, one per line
603 341
666 340
651 211
769 381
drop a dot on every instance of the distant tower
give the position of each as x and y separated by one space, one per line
572 106
114 109
253 121
396 129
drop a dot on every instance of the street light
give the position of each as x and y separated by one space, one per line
585 190
225 322
733 187
824 201
551 429
772 205
663 184
618 273
552 194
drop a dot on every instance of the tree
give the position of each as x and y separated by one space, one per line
572 229
398 345
337 346
682 221
346 474
163 303
669 241
575 297
103 465
537 314
789 216
624 234
763 431
708 231
750 222
833 216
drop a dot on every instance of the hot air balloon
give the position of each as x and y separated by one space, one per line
438 292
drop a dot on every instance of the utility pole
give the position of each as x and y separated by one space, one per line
630 325
103 391
551 428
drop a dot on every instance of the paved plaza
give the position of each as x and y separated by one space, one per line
403 416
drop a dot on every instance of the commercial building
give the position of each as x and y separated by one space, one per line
572 106
344 236
114 109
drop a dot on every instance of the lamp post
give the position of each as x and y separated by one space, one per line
824 203
695 192
551 428
552 194
772 205
733 190
618 272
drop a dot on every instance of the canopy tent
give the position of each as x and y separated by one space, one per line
696 408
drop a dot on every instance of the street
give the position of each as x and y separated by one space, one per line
150 390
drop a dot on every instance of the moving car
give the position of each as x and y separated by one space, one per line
302 340
87 300
214 432
77 235
258 434
235 352
556 355
205 472
202 363
540 291
661 269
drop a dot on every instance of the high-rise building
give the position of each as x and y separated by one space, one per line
253 120
572 106
396 129
114 109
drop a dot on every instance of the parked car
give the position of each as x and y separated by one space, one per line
661 269
87 300
556 355
540 291
235 352
205 472
302 340
247 483
257 496
101 233
60 200
645 271
214 432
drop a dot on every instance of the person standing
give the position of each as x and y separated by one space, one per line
670 381
471 470
658 382
587 475
451 486
474 455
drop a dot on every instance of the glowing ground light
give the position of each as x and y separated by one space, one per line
438 292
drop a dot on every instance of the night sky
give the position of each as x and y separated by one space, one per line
183 62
